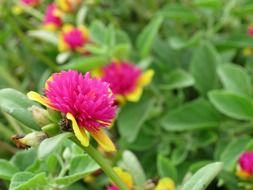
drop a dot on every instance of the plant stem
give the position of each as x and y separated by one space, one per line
105 166
32 12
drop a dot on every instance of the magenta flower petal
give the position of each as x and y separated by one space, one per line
246 162
88 99
123 77
51 18
112 187
74 38
30 2
250 31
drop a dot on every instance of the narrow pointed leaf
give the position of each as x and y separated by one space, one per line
16 104
203 177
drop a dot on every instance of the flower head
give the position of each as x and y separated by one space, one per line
165 184
87 102
53 17
245 162
125 177
126 80
32 3
68 5
250 30
73 38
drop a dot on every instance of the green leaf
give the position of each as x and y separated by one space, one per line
27 180
44 35
132 116
81 15
79 167
121 51
143 141
7 169
146 38
203 68
240 40
132 165
203 177
6 75
232 105
110 36
204 138
194 115
179 154
122 37
231 181
179 12
178 43
211 4
197 165
76 186
62 57
235 79
98 32
166 168
48 146
178 79
233 150
84 64
51 163
16 104
244 9
23 159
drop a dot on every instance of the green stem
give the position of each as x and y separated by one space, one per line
105 166
32 12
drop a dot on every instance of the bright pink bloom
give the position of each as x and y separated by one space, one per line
74 38
250 31
246 162
122 77
87 102
88 99
52 19
112 187
30 2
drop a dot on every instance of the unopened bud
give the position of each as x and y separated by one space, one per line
40 115
30 140
66 154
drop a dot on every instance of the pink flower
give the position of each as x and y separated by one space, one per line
250 30
126 80
68 5
53 17
87 102
112 187
73 38
32 3
245 169
122 77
